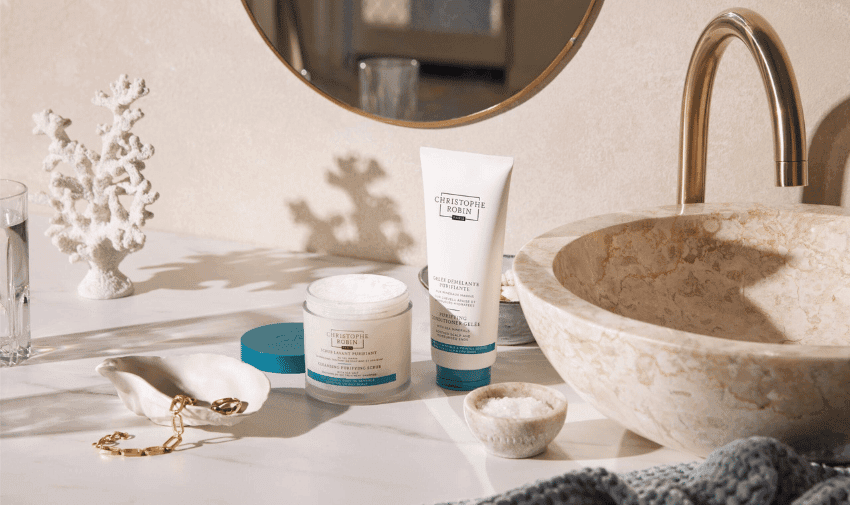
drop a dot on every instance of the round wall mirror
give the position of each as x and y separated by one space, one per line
423 63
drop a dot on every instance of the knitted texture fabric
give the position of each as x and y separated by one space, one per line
751 471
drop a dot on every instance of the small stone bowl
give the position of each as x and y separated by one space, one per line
515 437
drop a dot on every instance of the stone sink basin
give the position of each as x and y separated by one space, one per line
694 326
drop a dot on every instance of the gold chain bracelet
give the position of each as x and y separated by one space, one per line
109 443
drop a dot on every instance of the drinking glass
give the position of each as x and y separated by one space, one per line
15 343
389 87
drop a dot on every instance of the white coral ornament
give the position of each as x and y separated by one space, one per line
104 232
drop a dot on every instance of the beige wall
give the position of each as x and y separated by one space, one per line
246 151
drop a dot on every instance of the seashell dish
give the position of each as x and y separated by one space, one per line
147 385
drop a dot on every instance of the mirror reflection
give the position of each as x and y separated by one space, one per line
450 58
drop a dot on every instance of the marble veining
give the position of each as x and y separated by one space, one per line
697 325
197 295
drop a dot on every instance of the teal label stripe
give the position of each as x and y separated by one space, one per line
338 381
462 349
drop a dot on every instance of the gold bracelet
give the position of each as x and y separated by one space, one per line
109 443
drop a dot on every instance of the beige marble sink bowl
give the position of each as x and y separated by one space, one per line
699 325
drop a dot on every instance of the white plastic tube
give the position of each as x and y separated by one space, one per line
466 203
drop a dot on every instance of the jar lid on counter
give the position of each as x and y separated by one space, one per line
276 348
357 296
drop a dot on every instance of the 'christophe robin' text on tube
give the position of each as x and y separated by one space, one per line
466 202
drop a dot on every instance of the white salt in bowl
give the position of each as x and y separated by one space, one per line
515 419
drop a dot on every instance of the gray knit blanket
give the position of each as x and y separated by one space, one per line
754 471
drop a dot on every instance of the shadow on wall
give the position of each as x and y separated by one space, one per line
829 154
375 222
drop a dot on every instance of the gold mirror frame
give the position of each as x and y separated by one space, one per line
549 73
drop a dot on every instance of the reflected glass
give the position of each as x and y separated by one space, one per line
474 56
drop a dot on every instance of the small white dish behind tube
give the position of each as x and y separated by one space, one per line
466 204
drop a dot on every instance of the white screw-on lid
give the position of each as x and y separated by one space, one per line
357 296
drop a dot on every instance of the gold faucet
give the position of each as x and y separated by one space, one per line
789 130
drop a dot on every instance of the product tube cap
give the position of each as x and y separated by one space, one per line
462 380
276 348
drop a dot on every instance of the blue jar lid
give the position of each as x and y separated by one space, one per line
462 380
276 348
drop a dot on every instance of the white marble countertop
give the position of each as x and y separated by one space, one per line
200 295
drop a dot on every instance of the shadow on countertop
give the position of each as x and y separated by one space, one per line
269 269
596 439
288 413
151 337
76 410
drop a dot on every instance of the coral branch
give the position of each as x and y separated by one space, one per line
52 125
124 93
104 231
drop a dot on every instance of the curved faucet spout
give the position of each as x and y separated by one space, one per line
789 130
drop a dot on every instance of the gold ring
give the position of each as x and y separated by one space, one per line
227 406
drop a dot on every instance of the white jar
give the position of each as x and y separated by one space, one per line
357 339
